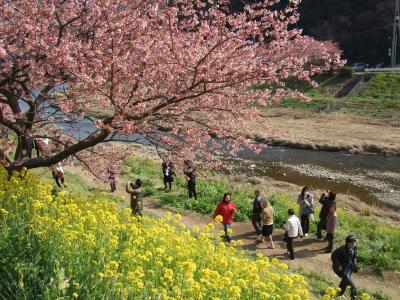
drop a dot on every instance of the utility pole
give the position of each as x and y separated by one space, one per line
396 33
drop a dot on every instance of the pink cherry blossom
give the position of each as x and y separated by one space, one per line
176 74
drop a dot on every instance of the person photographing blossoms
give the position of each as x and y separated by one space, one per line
135 190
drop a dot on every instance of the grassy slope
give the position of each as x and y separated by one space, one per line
380 98
379 244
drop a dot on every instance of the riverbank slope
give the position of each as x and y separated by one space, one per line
336 131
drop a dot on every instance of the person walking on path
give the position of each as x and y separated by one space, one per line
344 261
112 175
226 209
58 174
292 231
164 167
256 217
331 221
135 190
37 145
306 209
190 173
267 219
327 199
169 176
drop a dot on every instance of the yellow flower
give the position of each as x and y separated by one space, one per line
177 217
168 274
3 212
365 296
218 219
145 257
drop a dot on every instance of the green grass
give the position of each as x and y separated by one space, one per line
379 99
381 108
379 245
318 284
76 185
383 86
210 191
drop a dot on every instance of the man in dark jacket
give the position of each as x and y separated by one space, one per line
190 173
164 167
344 261
257 209
135 190
327 199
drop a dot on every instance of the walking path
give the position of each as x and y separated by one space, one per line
309 253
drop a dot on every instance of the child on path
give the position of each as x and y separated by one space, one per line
305 201
331 220
112 175
292 231
135 190
344 261
267 219
226 208
257 210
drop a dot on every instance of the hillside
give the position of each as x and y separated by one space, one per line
355 25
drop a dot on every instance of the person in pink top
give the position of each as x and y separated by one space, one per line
226 208
112 175
331 221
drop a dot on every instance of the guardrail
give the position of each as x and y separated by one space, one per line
373 70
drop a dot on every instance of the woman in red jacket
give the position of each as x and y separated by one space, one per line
226 208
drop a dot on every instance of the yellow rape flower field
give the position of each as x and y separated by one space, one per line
63 246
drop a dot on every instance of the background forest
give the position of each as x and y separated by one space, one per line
363 28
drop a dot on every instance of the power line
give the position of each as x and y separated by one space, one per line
396 33
352 34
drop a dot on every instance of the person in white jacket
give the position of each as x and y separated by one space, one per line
292 230
58 173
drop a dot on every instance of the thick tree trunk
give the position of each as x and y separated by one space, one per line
24 148
46 161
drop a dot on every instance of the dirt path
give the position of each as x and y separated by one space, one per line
309 253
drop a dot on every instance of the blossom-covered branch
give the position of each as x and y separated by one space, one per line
81 71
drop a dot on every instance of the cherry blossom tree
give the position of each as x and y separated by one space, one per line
177 74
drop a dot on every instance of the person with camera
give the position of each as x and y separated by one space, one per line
327 199
306 209
344 261
190 173
135 190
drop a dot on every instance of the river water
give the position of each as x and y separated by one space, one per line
374 179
